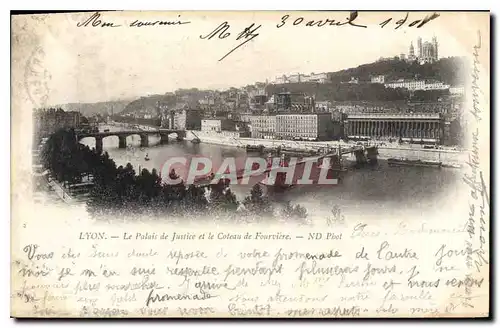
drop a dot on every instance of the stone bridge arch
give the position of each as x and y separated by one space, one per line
98 141
122 137
165 134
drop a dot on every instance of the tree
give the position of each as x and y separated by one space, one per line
119 191
173 192
194 202
148 186
294 212
222 199
257 203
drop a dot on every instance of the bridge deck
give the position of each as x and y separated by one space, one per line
126 133
240 174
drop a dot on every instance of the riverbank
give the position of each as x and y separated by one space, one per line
449 157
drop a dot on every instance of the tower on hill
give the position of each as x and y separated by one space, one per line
427 52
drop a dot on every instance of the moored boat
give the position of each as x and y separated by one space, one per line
413 162
453 166
255 148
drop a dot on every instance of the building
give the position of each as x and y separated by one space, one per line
218 125
211 125
48 121
406 127
316 78
187 119
406 84
259 100
446 108
180 119
262 126
338 116
295 78
369 106
207 101
256 96
245 117
436 85
457 90
353 80
223 128
282 79
411 53
302 78
307 126
414 85
322 106
378 79
427 52
207 135
168 120
297 102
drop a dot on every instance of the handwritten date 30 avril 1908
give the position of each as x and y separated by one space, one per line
249 33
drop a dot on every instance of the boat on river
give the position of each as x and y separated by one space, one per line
278 181
255 148
413 162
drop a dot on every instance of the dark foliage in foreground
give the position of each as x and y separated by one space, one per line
119 191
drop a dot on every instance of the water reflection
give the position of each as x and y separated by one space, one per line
391 191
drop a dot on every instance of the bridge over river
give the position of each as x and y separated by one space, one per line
122 136
363 155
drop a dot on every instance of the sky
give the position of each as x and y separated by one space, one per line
90 64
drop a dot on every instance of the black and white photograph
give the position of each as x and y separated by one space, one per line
288 164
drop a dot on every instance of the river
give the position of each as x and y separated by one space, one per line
394 191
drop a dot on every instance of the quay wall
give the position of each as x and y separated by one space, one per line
412 152
447 157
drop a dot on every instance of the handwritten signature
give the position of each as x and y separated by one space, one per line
457 300
479 201
221 32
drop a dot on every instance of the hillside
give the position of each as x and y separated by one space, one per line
149 103
89 109
342 92
448 70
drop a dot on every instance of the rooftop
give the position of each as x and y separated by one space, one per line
393 116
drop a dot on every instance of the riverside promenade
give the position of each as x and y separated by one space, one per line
446 155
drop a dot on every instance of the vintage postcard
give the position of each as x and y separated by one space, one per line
278 164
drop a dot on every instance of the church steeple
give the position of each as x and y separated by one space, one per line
412 50
435 44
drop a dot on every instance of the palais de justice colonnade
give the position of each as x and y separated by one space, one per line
405 126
